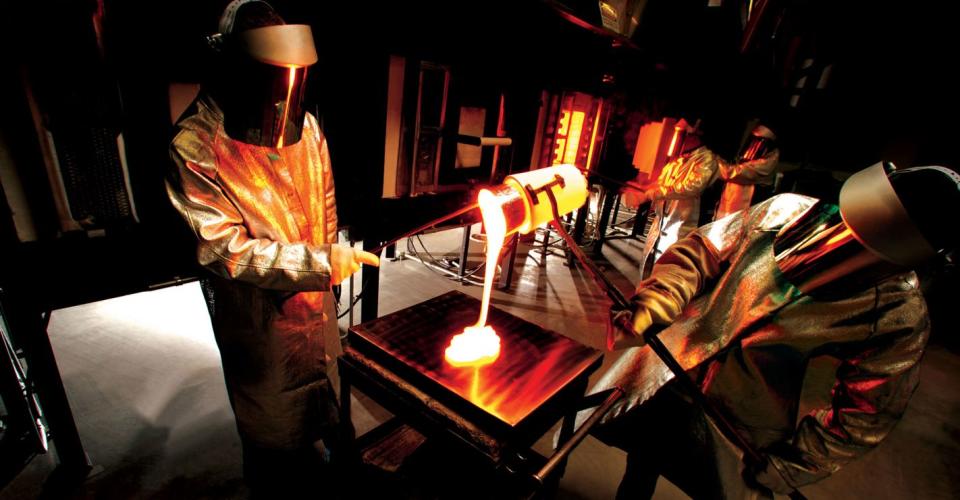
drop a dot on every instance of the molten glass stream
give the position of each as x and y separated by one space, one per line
479 345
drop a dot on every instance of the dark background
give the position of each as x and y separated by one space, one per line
889 96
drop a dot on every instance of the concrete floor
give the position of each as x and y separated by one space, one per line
143 376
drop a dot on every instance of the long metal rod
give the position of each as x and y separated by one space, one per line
683 378
426 226
601 279
667 357
464 253
473 206
650 336
581 433
626 184
350 299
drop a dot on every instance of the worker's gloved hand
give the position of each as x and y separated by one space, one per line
345 261
633 198
626 327
764 475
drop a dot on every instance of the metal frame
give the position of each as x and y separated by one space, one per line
509 456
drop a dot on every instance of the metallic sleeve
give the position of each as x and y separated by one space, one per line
688 178
329 194
757 171
874 384
225 245
660 189
676 278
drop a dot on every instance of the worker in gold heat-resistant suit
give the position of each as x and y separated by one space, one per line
675 199
791 290
252 178
755 166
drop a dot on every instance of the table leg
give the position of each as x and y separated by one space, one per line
344 394
507 263
566 431
464 252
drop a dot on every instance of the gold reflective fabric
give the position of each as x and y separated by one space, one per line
753 339
262 215
264 219
687 176
676 201
740 179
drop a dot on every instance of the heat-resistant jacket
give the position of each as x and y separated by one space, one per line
264 219
676 202
752 340
740 180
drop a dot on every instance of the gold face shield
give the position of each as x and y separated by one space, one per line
262 95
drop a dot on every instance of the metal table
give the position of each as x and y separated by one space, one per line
497 411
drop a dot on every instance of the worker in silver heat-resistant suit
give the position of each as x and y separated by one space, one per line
754 304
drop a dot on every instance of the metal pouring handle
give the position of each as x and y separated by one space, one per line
601 279
625 184
424 227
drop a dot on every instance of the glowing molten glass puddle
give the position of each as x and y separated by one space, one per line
479 345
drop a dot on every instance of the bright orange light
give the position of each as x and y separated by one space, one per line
479 345
496 226
558 153
573 138
475 386
286 105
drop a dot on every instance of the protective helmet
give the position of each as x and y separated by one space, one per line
888 221
761 142
264 70
686 137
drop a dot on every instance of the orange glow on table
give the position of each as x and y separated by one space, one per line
534 364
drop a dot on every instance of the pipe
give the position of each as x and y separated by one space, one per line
424 227
601 279
566 448
484 141
626 184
